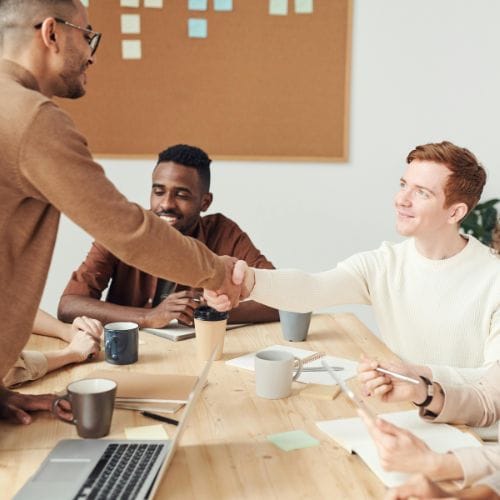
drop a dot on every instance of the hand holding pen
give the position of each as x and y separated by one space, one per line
391 382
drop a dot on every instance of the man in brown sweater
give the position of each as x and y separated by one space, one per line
180 192
47 46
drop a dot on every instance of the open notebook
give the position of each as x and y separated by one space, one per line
351 434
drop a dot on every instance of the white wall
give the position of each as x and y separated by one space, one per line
422 71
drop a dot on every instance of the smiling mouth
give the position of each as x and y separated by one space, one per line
169 219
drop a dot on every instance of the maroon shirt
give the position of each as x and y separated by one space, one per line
134 288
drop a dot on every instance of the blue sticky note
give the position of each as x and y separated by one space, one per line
197 28
197 4
293 440
223 5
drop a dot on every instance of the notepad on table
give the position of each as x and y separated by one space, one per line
136 387
247 362
352 434
175 331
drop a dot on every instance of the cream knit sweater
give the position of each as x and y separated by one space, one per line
441 313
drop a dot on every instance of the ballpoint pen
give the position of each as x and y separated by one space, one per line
397 375
161 418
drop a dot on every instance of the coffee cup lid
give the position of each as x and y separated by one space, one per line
206 313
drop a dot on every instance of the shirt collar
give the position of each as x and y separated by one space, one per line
19 74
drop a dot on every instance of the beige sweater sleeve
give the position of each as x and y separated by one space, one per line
477 405
56 166
294 290
31 365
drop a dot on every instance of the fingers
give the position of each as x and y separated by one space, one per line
18 416
89 325
218 302
239 271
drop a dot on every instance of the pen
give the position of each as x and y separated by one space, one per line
161 418
398 375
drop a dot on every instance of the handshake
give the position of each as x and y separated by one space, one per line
238 283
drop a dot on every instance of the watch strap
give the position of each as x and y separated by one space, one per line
430 394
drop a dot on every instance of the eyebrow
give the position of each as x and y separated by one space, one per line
179 188
419 187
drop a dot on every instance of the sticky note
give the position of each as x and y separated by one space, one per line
85 3
146 432
153 4
278 7
317 391
223 5
197 4
129 3
131 49
130 23
197 28
304 6
293 440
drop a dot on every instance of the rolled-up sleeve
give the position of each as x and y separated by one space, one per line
30 365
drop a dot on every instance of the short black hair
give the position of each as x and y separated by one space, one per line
189 156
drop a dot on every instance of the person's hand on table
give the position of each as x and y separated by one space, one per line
240 280
177 305
83 346
398 449
418 486
16 407
387 388
90 326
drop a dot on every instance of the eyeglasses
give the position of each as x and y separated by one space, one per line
93 38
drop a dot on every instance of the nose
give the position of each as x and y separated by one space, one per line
403 198
168 201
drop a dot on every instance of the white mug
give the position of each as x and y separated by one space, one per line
274 373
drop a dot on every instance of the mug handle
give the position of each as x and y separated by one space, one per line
111 345
56 408
298 367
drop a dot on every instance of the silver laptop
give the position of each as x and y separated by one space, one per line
84 469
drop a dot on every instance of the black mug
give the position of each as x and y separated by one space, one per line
121 343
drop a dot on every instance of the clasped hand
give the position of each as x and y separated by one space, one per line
237 285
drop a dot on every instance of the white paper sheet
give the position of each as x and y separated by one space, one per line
247 362
131 49
130 24
351 433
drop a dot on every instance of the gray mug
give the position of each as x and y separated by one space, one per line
121 342
274 373
92 401
295 325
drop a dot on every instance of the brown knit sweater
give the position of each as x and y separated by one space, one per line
45 169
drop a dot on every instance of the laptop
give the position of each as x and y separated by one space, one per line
84 469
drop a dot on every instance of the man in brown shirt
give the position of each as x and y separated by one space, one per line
46 168
180 192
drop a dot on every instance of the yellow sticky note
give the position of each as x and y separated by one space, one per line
317 391
146 432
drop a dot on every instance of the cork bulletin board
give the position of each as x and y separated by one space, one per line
252 86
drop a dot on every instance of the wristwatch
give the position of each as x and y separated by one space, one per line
430 392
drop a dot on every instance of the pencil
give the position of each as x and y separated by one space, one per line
398 375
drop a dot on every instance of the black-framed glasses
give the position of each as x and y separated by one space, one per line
94 37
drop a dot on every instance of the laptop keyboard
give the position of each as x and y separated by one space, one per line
120 473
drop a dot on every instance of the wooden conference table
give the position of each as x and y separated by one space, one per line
224 453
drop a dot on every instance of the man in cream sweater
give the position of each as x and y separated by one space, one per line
436 295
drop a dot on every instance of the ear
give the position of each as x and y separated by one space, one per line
49 35
206 201
457 212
